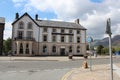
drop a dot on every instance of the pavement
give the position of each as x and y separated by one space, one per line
97 72
44 58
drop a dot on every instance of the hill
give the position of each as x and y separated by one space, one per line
105 41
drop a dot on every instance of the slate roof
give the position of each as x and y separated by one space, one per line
59 24
48 23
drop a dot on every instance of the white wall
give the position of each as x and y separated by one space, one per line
49 35
26 20
66 36
58 36
75 36
83 36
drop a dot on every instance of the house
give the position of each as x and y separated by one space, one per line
44 37
2 23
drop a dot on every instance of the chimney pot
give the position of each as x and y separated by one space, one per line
36 17
77 21
16 16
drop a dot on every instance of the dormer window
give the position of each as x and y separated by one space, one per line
29 26
21 25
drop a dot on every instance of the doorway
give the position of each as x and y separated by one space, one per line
62 51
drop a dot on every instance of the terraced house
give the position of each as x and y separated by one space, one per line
43 37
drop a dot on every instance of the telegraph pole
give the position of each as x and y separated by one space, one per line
108 31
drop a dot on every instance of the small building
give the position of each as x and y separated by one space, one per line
2 24
44 37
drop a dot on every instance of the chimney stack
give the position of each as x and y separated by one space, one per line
77 21
36 17
16 16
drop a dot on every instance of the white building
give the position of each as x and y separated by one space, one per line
43 37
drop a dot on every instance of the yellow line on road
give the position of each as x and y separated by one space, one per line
67 75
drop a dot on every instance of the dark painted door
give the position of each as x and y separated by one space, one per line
62 51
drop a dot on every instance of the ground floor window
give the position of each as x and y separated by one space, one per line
70 49
54 49
21 48
78 49
27 48
44 49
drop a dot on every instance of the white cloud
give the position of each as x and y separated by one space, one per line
8 30
92 15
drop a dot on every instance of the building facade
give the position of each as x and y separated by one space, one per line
2 23
43 37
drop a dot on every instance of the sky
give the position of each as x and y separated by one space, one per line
92 13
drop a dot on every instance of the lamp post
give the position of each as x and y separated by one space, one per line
108 31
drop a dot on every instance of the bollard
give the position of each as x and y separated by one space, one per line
85 65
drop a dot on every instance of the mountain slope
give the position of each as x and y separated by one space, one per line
105 41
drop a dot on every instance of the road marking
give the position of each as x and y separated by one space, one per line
68 74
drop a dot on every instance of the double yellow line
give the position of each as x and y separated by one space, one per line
67 75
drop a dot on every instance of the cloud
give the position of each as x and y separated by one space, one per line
19 3
8 30
93 15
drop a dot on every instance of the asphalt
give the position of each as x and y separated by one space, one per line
96 72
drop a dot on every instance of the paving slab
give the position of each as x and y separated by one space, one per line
98 72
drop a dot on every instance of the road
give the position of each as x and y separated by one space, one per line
42 70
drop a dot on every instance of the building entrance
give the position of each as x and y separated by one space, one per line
62 51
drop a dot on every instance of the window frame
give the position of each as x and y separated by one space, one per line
54 49
45 38
19 25
44 49
62 38
45 29
30 25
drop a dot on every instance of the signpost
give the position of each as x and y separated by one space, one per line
89 40
108 31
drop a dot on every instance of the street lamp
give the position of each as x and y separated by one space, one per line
108 31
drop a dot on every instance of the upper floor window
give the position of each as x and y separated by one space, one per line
62 38
44 37
44 29
29 26
54 30
70 38
70 31
78 31
78 39
54 38
21 25
29 34
20 34
62 30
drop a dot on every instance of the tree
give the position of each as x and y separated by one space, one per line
99 49
7 46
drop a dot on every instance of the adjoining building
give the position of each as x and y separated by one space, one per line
43 37
2 24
